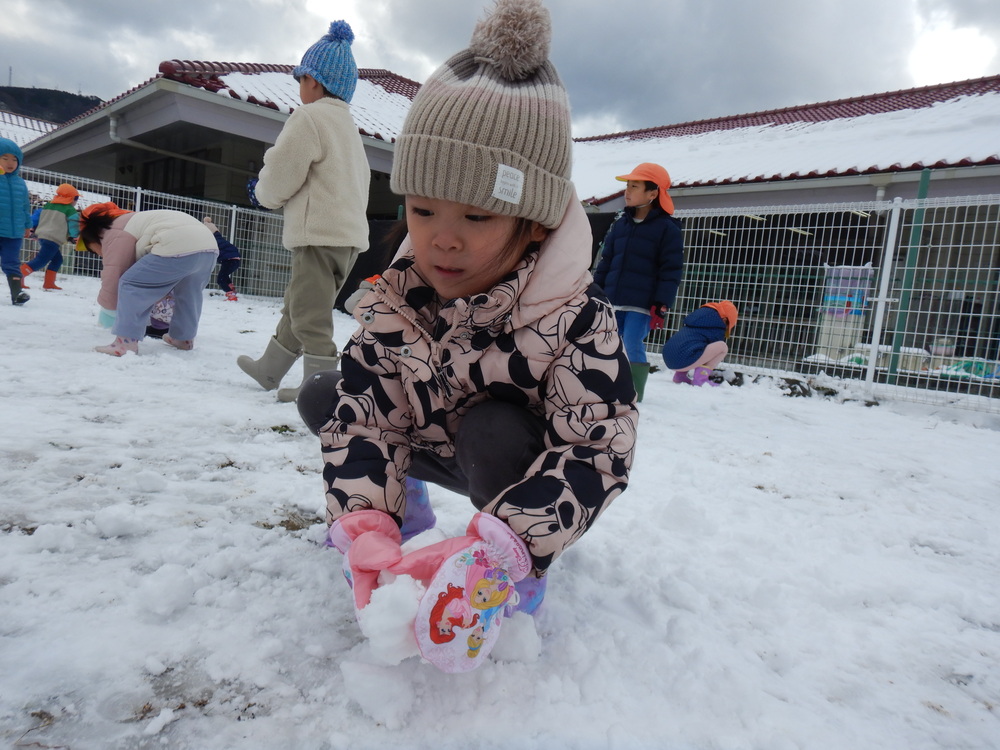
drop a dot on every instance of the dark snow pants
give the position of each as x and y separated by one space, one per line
496 443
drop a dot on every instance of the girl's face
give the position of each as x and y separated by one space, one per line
462 250
8 162
636 194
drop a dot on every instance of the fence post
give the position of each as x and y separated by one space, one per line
882 301
138 199
905 290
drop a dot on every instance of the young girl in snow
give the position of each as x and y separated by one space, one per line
146 256
642 261
487 361
700 344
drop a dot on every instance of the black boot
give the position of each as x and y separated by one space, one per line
17 296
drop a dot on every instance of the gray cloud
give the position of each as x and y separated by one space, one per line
628 64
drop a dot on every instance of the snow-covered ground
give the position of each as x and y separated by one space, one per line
782 572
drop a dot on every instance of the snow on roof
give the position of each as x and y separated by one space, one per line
379 106
945 125
952 124
21 129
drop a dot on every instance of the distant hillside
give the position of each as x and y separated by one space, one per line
45 104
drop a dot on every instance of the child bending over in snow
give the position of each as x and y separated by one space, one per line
700 344
229 261
487 361
148 255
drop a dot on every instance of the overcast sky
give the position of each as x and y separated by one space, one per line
628 64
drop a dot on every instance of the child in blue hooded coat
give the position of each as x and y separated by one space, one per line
15 217
700 344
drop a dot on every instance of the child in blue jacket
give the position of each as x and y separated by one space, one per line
229 261
15 217
642 261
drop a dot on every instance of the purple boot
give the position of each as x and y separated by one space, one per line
530 593
701 376
682 377
419 515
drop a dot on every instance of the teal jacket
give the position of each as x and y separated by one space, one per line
15 204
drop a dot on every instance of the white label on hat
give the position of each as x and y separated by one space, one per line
509 184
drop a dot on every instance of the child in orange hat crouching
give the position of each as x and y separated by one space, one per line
700 344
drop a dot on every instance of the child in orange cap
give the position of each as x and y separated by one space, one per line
700 344
58 222
641 261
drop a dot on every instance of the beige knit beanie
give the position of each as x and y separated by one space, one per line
491 127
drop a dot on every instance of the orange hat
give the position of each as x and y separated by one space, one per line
656 174
65 193
108 207
727 311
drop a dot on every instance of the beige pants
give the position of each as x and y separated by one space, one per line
318 274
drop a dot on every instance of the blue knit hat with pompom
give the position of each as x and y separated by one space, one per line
331 62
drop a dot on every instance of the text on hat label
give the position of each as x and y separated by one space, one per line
509 184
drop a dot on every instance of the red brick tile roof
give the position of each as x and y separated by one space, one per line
890 101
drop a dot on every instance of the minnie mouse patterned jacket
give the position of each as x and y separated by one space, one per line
544 338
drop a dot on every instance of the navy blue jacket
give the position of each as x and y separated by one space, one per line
227 250
698 330
641 264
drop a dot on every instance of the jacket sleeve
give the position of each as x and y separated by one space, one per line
590 438
604 254
227 250
670 264
287 162
118 255
366 452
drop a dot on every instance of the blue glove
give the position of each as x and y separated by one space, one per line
252 194
106 318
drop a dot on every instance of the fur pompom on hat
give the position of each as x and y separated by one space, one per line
331 62
491 127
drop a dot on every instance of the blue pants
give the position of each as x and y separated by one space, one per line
48 254
10 256
226 270
149 280
633 327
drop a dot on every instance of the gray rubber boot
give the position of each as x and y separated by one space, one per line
271 367
310 366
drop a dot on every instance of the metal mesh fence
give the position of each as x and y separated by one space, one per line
819 288
265 264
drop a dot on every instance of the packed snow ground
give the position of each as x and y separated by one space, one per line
782 572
